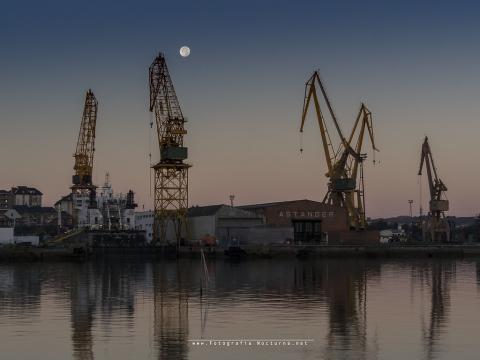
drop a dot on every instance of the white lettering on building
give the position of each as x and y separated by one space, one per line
308 214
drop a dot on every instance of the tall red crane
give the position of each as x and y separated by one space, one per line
171 172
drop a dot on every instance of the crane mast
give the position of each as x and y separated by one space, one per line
436 226
171 172
342 164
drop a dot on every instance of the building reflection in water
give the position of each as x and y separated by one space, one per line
20 291
104 289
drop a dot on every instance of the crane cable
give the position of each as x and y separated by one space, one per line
150 152
420 194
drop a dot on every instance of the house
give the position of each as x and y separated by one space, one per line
26 196
33 216
65 204
7 199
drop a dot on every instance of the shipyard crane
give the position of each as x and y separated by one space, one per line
342 163
82 179
83 190
436 226
171 172
364 124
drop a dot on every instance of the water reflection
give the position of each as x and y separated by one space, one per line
83 299
20 291
171 310
440 277
155 308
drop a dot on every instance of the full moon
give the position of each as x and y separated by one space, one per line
184 51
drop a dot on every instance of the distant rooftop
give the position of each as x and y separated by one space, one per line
64 198
256 206
204 210
23 209
25 190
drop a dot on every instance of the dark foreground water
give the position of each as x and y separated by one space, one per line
351 309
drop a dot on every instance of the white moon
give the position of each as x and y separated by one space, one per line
184 51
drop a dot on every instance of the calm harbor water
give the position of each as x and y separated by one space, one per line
350 308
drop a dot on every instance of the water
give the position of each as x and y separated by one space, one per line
352 309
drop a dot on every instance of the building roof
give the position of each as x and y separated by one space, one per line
64 198
264 205
204 210
25 190
24 209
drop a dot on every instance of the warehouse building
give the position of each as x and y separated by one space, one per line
222 223
312 221
227 224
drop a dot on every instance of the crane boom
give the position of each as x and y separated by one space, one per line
364 118
165 104
86 143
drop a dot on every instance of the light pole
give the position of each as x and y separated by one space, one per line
410 202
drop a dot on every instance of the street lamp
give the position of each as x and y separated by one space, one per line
410 202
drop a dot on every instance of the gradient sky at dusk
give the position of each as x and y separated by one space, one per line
415 64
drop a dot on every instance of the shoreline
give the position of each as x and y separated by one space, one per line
39 254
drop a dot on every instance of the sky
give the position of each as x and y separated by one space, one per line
414 63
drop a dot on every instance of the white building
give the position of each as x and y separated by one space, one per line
144 222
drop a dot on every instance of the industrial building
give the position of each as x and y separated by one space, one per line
297 221
229 225
311 221
223 223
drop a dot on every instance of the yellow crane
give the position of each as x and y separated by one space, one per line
83 190
436 226
344 163
171 172
82 179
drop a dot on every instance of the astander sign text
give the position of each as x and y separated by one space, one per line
308 214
